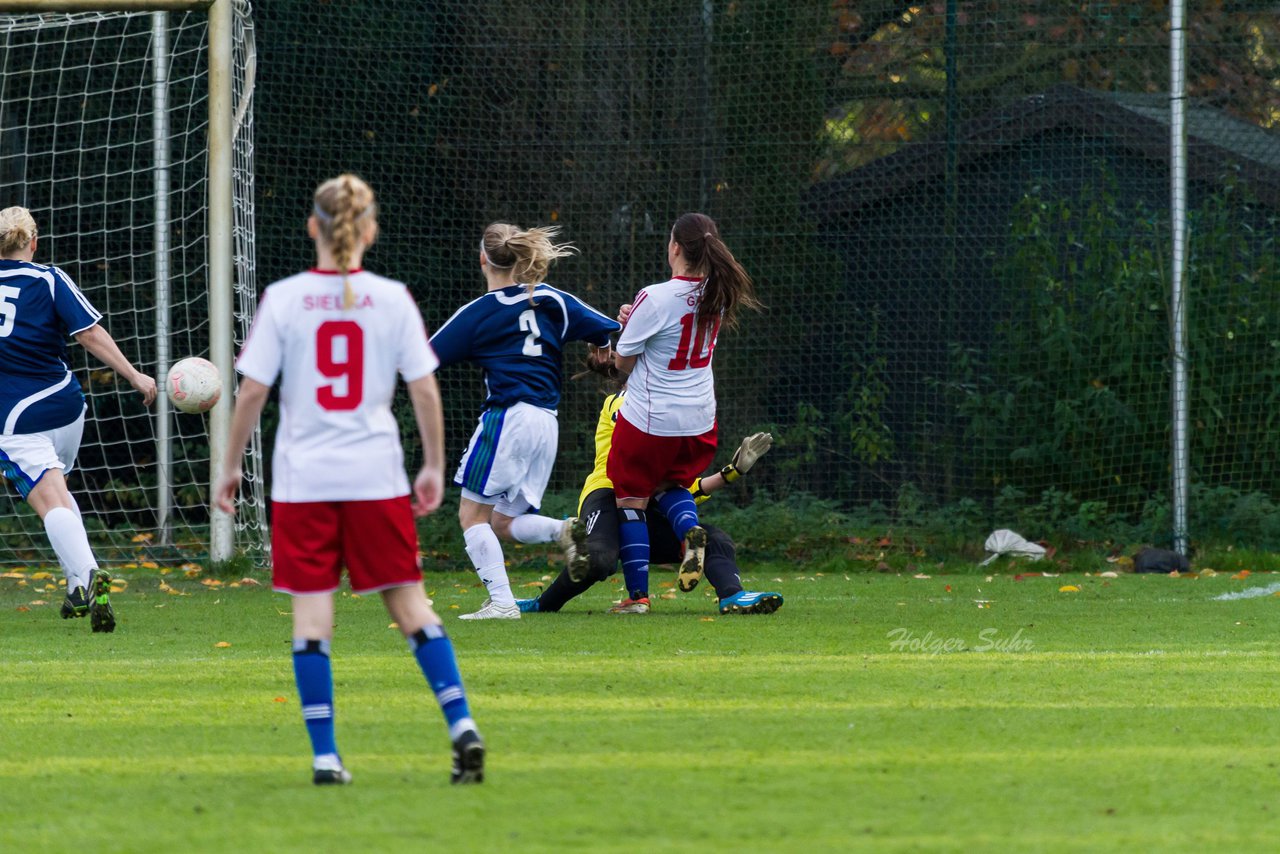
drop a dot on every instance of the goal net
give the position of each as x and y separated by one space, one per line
104 136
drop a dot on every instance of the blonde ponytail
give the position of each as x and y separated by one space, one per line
342 206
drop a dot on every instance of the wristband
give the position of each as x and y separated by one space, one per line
729 473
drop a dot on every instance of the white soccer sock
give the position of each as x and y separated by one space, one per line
486 554
70 542
532 528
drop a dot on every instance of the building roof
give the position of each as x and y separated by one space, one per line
1136 121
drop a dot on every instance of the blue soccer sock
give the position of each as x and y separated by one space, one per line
434 651
314 675
680 509
633 549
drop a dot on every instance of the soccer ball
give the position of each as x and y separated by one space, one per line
194 384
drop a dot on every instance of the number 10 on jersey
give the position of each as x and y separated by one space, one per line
687 357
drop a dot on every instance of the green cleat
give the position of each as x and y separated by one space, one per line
101 617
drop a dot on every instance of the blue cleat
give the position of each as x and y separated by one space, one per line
528 606
749 602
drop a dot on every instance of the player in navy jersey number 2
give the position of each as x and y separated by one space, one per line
337 336
516 333
42 407
666 431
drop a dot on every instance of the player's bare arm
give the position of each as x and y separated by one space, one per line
428 486
250 399
99 342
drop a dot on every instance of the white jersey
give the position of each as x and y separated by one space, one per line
337 439
671 391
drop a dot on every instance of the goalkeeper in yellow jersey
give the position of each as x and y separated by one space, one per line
598 511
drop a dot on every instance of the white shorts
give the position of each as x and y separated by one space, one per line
25 457
509 458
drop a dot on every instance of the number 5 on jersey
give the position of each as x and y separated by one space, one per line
340 357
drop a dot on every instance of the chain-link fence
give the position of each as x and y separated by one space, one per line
957 214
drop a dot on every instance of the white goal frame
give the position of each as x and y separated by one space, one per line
220 211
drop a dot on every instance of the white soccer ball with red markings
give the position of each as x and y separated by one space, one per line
194 384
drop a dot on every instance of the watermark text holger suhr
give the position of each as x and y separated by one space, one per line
989 639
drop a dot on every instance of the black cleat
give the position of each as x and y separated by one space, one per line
573 539
101 617
330 776
468 759
695 549
75 605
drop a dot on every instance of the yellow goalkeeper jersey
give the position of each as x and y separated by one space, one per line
599 478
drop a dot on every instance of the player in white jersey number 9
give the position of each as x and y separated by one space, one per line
338 337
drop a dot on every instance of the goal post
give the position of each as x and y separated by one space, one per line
212 196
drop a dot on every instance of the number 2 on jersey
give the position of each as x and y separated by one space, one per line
529 323
340 357
684 359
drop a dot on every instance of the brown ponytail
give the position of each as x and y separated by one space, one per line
726 286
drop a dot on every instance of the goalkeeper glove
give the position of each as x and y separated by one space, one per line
752 448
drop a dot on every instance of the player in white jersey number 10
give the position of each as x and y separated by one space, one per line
338 336
666 431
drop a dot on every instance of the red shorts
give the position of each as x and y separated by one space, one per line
640 463
312 541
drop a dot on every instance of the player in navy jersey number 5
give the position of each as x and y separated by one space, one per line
42 407
337 336
666 431
516 334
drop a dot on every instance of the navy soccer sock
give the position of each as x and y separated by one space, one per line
314 675
633 549
680 509
434 652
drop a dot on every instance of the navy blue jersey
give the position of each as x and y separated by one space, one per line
39 308
518 343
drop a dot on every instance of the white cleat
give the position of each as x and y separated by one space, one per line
490 610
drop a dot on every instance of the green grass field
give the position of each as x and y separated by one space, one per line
876 712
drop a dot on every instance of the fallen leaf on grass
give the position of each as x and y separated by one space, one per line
1108 574
393 626
948 588
280 700
143 538
706 619
172 591
211 582
250 582
13 575
41 576
1239 576
23 608
39 602
1068 588
921 575
670 594
222 644
534 584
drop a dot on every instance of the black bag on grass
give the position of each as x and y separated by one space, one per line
1160 560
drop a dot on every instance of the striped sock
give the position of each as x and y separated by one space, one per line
633 549
434 652
680 509
314 674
